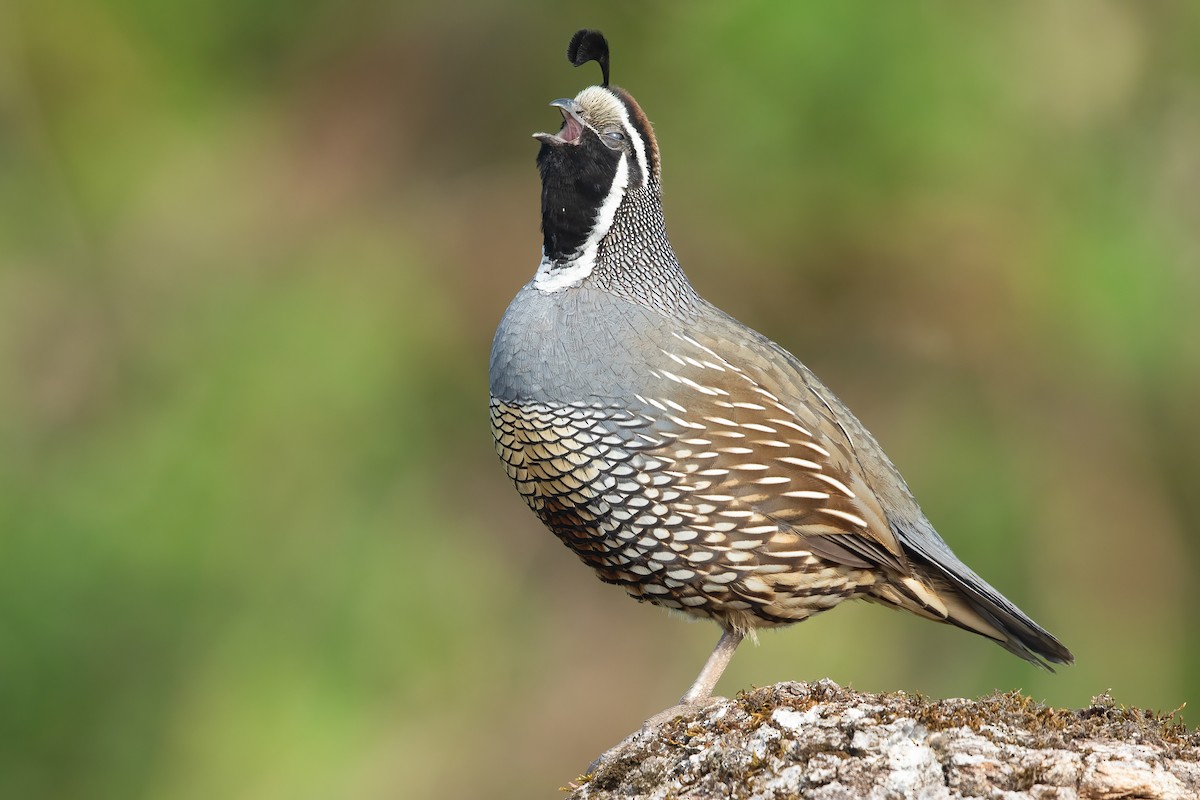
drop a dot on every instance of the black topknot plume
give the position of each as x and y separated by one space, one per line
589 45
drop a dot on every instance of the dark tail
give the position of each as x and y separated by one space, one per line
945 589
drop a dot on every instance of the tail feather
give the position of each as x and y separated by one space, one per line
949 601
1022 636
943 588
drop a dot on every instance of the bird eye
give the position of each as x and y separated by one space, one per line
614 139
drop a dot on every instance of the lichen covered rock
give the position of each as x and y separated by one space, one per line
818 740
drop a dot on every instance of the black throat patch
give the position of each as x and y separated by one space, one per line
576 179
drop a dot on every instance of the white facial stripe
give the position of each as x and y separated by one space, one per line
555 277
639 147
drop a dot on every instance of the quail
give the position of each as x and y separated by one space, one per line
680 454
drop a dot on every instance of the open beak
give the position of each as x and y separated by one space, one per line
572 129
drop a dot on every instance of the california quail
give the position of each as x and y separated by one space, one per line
680 454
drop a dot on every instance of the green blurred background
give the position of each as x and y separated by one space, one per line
254 542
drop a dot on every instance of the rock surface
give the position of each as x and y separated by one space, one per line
818 740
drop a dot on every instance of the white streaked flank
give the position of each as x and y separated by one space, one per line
835 483
807 495
853 519
792 425
799 462
692 384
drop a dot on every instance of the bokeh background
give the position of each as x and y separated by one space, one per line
254 542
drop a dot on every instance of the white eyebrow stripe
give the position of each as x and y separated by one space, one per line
639 146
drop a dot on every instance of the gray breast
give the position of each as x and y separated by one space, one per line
583 344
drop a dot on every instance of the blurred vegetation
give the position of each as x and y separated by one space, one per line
253 541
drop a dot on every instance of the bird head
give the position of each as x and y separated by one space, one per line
603 156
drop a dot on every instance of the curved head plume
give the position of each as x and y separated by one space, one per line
589 45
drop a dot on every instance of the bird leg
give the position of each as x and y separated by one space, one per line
706 681
700 692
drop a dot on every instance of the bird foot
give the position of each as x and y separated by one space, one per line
614 753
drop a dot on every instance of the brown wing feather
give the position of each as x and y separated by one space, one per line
791 463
